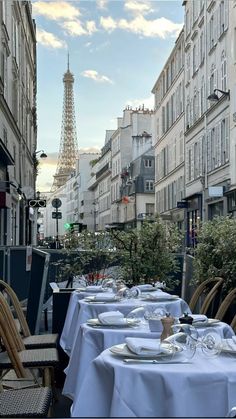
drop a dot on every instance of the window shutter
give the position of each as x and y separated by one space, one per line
208 151
227 139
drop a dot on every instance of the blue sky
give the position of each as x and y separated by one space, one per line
117 50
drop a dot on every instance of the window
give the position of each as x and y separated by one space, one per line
212 84
148 163
202 49
188 68
224 140
222 17
5 136
211 33
149 185
189 164
202 97
194 58
150 209
195 105
223 71
187 22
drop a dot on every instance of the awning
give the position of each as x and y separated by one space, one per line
5 157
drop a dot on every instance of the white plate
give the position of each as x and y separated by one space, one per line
127 323
156 298
210 322
122 350
101 300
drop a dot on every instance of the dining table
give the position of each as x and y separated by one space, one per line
198 387
92 340
80 310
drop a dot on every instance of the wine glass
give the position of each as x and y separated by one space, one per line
210 343
138 314
108 284
135 292
124 292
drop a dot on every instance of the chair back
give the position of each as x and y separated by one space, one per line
17 307
5 311
226 303
209 298
10 345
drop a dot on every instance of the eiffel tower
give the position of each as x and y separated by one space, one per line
68 146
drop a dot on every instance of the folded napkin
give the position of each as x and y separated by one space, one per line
159 293
94 288
111 317
142 346
104 297
145 287
230 343
199 318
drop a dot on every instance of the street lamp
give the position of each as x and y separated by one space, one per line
43 155
213 97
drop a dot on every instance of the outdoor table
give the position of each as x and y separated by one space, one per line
91 341
204 387
80 311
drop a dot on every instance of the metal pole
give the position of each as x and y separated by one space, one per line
57 242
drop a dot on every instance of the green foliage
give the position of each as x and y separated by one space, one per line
215 254
89 252
149 252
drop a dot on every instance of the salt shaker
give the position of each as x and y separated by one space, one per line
167 322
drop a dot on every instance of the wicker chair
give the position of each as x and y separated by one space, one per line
30 341
210 296
225 305
25 403
19 358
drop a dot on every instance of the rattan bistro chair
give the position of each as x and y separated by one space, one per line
30 341
25 403
224 307
209 297
19 358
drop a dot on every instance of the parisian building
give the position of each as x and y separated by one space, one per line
168 137
207 111
18 123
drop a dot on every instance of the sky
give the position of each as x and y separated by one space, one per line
117 50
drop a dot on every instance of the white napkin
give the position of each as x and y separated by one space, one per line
231 343
142 346
145 287
104 297
199 318
94 288
159 293
111 317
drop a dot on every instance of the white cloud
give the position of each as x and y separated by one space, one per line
160 27
50 40
108 23
138 7
102 4
61 10
94 75
147 103
91 27
74 28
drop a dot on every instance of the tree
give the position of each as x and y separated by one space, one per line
148 253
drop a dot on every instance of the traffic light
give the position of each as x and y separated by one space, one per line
68 225
37 203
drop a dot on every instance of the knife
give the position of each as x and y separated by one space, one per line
152 361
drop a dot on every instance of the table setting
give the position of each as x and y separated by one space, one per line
165 380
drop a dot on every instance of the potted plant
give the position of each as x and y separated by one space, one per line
215 254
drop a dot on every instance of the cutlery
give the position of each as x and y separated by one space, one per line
152 361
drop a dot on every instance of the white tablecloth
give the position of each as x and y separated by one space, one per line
68 332
82 311
90 342
205 387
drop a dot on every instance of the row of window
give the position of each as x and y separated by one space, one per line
171 111
167 198
169 73
213 154
170 157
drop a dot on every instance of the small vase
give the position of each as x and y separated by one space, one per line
167 322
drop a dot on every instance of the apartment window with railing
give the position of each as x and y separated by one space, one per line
148 163
188 68
202 96
212 81
211 32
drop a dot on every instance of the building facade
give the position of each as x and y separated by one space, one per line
207 134
168 136
18 124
